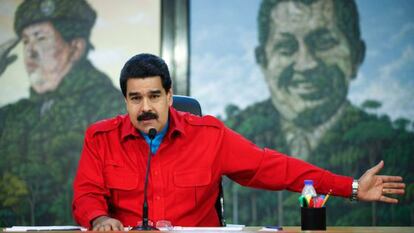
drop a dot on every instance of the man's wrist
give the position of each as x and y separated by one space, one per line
355 187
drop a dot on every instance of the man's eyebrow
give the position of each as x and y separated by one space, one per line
155 92
284 36
318 32
133 94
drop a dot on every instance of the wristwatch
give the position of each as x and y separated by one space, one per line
354 195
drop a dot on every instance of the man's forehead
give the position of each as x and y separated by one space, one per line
296 17
145 85
36 28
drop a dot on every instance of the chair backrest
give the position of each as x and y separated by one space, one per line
187 104
191 105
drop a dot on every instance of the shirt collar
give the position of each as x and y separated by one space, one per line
175 126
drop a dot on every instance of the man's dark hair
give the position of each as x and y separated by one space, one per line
346 18
143 66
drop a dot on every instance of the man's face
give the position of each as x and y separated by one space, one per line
46 55
308 62
147 103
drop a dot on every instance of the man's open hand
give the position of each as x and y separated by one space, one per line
373 187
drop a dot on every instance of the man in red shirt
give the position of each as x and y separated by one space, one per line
190 154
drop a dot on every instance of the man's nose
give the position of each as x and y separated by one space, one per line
146 105
305 59
30 51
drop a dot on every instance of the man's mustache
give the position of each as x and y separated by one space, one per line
147 116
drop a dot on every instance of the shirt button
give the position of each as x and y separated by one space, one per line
156 173
157 198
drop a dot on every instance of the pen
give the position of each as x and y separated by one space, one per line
326 198
302 201
279 228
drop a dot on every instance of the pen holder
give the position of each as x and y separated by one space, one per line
313 218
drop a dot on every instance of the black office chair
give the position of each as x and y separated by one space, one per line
191 105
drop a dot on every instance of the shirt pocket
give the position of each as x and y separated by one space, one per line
123 185
191 186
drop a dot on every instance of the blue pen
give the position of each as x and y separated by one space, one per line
279 228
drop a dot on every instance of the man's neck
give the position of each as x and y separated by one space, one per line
302 142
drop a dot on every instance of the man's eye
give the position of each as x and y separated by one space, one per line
324 43
286 48
41 38
154 96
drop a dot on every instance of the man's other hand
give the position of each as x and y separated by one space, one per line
105 223
5 48
373 187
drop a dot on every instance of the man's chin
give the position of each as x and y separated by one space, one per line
37 82
145 126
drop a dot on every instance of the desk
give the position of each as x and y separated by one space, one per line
344 229
292 230
329 230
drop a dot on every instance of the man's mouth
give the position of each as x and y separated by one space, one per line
302 86
31 66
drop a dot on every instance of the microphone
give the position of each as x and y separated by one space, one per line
145 227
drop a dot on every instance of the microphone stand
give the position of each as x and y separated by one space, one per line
145 226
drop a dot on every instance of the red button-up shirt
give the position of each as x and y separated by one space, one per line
185 171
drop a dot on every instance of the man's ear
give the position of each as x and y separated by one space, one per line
260 56
170 97
78 48
358 58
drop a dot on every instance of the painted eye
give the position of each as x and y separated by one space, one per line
286 47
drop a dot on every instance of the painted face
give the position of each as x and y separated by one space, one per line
147 103
309 62
46 56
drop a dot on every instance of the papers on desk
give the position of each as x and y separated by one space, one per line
44 228
207 229
78 228
272 228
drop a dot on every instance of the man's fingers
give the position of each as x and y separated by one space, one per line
393 191
117 226
391 178
375 169
107 227
388 200
11 59
394 185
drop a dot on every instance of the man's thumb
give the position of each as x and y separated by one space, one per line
375 169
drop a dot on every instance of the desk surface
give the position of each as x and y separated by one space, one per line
292 230
345 229
328 230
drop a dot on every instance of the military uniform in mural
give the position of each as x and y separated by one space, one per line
41 137
356 142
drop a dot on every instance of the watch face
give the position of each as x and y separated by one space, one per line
355 184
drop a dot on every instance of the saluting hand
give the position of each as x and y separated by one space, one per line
373 187
5 49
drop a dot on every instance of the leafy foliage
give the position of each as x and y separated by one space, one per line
355 143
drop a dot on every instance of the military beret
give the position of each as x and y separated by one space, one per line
75 17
